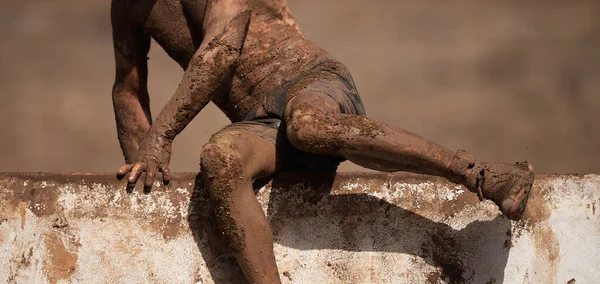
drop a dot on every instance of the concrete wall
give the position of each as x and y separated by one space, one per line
369 228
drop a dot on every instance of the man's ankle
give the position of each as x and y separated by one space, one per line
462 170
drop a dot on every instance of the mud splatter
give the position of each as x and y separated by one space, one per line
23 261
434 277
60 222
288 275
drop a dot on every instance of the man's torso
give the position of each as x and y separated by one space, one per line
275 50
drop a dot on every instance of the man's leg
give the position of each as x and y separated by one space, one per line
315 124
230 162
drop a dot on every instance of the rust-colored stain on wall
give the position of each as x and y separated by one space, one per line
61 260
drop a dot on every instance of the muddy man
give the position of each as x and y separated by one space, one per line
293 107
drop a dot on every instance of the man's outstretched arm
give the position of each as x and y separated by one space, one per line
226 25
130 94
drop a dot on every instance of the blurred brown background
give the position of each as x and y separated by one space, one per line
512 80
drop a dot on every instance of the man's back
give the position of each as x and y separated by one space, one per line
274 52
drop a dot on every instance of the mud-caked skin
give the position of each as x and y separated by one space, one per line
293 107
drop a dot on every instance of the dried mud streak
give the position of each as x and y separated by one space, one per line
2 233
22 213
547 246
538 211
60 263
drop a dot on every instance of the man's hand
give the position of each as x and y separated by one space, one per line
154 155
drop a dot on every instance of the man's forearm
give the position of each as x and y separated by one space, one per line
133 120
212 65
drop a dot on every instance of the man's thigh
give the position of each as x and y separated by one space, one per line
329 89
286 157
252 145
314 108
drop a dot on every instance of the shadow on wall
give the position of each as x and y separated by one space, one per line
477 253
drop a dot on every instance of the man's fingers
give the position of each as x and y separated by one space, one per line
124 170
135 172
150 172
166 173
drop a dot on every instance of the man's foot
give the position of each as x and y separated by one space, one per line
506 184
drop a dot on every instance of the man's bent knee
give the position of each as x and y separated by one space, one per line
221 165
313 131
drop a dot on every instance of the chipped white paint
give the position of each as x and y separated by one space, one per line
67 198
367 230
182 190
86 198
454 194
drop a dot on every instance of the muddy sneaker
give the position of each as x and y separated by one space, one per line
506 185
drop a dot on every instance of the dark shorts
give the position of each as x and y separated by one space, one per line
330 78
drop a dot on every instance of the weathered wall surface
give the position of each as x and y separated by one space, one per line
353 228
